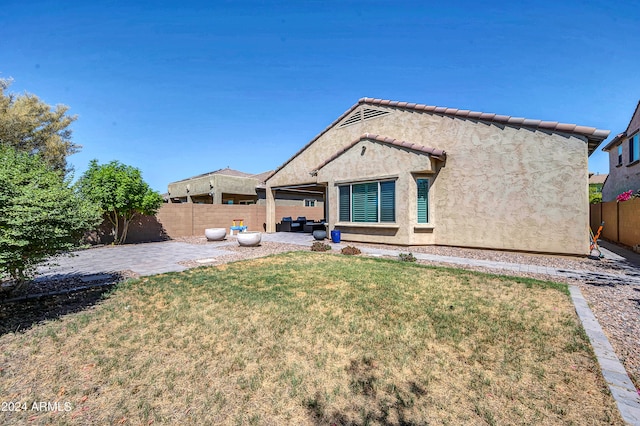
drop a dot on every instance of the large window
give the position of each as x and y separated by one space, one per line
634 148
423 200
367 202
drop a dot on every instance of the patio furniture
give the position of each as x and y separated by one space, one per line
314 226
288 225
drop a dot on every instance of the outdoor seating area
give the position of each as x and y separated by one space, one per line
301 224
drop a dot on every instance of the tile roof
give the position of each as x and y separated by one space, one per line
231 172
615 141
262 177
597 179
622 135
594 136
435 153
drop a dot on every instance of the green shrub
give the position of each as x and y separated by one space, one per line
41 215
407 257
121 193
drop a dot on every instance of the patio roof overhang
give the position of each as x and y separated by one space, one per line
304 187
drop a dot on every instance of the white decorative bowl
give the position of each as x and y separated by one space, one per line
215 234
249 238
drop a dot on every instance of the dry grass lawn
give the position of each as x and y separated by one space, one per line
305 338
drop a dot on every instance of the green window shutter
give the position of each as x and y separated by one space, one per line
423 200
364 198
344 205
388 201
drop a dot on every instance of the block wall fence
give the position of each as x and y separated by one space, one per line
621 221
188 219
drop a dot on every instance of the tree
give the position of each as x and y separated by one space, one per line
120 193
41 214
30 125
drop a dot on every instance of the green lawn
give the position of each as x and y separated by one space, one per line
309 338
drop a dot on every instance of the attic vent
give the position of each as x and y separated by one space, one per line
355 117
363 114
372 113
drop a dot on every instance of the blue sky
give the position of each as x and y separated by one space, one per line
182 88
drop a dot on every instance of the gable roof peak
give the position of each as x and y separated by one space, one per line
437 154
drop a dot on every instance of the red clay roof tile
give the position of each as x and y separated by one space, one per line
594 136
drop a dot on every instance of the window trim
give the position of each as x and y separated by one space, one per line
428 219
619 155
379 220
634 148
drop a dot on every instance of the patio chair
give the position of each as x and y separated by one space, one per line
288 225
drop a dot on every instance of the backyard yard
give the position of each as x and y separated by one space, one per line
312 338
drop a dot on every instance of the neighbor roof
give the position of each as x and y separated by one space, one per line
436 153
231 172
262 178
594 136
597 179
622 135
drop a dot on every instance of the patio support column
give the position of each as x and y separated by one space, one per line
271 210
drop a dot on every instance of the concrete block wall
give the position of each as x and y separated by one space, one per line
177 219
180 220
621 221
629 222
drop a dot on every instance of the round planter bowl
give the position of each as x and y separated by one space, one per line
249 238
215 234
319 234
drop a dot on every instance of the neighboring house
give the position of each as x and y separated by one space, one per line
624 160
228 186
596 182
224 186
411 174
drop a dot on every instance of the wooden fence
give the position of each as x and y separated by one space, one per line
621 221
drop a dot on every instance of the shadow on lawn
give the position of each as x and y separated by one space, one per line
50 300
385 405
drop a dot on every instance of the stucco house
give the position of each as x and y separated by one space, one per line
223 186
413 174
229 186
624 160
596 182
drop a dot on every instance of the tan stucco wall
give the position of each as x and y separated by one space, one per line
501 187
380 161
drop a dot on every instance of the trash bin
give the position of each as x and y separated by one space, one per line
335 236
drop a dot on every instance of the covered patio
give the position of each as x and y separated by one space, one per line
312 189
